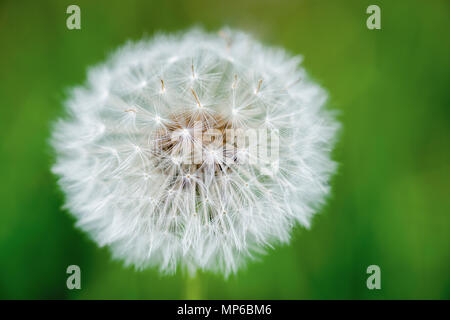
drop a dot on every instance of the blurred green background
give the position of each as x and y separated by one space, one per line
390 204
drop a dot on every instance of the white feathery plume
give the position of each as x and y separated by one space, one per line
126 151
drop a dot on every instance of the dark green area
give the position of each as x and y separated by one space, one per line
390 204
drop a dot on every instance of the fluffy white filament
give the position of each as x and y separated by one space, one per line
121 151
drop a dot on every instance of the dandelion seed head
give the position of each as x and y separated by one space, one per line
141 157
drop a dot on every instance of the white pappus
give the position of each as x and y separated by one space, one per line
124 151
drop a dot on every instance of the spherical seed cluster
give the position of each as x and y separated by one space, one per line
140 179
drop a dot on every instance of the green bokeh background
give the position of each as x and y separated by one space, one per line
390 203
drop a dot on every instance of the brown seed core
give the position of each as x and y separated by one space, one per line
204 130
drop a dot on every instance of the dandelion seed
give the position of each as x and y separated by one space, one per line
196 98
259 86
234 85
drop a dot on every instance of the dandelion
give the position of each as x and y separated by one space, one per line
149 169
